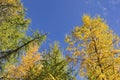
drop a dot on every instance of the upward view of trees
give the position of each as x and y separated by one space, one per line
13 26
19 56
93 45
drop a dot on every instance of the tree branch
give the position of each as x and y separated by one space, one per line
7 53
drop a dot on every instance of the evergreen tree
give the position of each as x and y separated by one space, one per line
54 66
34 66
14 41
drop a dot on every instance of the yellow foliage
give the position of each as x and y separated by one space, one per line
87 20
10 1
28 61
99 60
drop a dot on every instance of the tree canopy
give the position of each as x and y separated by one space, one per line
19 57
95 43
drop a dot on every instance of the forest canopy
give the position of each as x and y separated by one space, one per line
92 51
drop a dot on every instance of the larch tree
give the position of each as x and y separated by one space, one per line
50 65
26 68
13 28
13 24
55 64
97 48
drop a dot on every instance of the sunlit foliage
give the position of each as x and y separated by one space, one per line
25 67
50 65
13 27
56 65
95 43
13 24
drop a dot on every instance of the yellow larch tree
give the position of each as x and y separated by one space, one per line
95 45
27 64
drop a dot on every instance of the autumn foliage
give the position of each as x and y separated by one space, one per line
93 48
95 43
27 63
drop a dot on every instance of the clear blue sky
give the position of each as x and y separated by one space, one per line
59 17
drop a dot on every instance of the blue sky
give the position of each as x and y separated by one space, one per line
59 17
